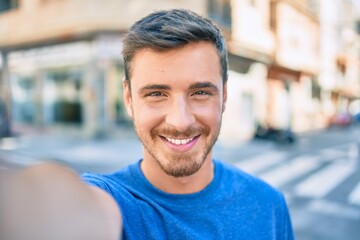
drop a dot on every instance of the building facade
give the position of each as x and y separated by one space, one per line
61 60
251 45
292 63
273 58
339 75
292 76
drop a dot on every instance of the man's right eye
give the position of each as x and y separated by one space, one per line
155 94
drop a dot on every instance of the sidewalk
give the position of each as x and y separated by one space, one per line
70 148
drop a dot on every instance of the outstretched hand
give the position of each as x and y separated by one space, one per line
50 202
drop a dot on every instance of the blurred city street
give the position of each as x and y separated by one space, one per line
293 83
319 174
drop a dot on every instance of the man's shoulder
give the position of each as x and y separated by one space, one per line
239 179
109 181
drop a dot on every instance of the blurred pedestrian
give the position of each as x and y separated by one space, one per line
4 120
175 91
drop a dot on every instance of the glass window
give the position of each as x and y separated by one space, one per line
220 12
24 99
8 4
62 97
120 112
315 89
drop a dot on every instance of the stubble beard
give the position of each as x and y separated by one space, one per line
179 164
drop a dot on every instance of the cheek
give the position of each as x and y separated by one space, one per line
147 118
209 113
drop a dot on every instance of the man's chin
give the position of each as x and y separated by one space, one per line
180 173
181 170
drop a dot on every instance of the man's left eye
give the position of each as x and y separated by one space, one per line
201 93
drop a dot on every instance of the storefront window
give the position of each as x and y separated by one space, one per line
114 93
24 99
61 96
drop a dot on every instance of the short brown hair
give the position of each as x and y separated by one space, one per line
171 29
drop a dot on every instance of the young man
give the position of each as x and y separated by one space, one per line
175 92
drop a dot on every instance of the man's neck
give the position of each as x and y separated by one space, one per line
178 185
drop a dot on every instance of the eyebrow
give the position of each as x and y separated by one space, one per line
204 85
154 87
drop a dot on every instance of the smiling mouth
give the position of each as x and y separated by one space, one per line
180 142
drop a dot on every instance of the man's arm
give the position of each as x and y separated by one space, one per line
49 201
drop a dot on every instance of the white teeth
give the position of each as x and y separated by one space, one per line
179 141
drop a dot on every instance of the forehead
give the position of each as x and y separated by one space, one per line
191 63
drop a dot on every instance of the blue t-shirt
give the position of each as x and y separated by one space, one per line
234 205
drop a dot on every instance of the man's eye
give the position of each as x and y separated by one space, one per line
155 94
201 93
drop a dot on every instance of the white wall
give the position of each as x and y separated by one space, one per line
246 103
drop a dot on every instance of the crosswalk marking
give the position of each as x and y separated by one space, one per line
335 209
289 171
354 197
276 168
8 143
261 162
324 181
353 152
329 154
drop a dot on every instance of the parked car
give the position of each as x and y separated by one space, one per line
274 134
341 119
356 118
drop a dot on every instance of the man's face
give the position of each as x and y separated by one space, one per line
176 101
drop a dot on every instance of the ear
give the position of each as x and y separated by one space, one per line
127 97
224 97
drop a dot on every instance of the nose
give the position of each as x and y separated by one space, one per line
179 114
